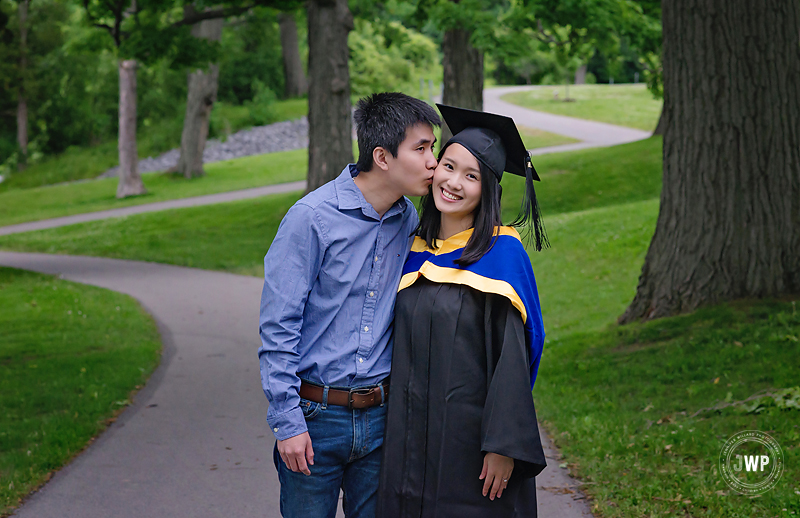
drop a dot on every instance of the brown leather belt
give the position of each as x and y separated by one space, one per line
355 398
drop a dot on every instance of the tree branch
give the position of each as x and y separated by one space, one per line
546 38
191 19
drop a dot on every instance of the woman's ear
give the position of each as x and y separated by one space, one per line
380 158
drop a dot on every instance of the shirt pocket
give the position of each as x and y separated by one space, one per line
310 408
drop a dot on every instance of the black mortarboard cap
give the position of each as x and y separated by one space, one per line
495 141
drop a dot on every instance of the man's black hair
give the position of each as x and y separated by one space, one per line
382 120
487 217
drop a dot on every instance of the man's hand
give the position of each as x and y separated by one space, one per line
496 472
295 451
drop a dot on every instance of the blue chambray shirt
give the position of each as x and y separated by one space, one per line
327 307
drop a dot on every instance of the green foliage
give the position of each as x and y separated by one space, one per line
70 357
262 107
386 56
251 51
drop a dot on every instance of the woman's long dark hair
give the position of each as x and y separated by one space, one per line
487 217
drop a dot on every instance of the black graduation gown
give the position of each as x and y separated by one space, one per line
460 387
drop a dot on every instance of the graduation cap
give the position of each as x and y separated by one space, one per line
495 142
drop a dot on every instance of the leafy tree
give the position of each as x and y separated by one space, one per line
29 34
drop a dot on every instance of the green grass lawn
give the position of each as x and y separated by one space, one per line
624 105
80 163
535 138
602 388
569 182
22 205
619 404
70 356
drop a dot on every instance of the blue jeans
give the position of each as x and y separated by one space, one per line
347 455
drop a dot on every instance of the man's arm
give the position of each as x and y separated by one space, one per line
290 269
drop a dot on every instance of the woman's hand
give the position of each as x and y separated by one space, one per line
496 472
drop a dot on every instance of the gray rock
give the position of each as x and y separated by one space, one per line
281 136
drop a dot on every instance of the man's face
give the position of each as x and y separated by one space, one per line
412 171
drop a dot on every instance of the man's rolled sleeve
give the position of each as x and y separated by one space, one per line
290 268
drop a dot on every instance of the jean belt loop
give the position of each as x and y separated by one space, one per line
325 397
383 395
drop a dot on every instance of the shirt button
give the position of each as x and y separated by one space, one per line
376 258
371 293
274 429
361 360
366 328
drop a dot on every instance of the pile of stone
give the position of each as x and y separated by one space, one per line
281 136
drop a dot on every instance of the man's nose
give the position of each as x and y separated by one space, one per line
431 162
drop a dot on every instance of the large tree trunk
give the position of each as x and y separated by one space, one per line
295 84
130 183
200 99
580 75
22 103
729 224
463 74
330 123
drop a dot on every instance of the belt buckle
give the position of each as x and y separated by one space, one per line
358 391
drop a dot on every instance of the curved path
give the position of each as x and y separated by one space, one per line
194 443
590 133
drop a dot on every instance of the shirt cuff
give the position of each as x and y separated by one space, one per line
288 424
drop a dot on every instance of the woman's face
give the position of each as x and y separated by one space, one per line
456 187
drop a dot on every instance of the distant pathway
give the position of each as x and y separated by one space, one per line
195 443
590 133
194 201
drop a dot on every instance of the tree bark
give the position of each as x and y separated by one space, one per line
661 124
130 183
729 223
463 74
22 102
330 123
200 99
295 84
580 75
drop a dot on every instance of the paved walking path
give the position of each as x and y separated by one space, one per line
590 133
195 201
194 443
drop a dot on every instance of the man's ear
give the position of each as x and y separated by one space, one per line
380 157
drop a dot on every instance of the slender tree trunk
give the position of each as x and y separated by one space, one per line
295 84
729 224
200 99
580 75
463 74
330 123
22 103
130 183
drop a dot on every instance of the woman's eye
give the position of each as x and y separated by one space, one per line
472 176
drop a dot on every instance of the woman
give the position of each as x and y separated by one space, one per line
462 438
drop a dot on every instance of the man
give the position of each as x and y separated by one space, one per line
330 280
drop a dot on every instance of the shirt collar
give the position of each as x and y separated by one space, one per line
350 196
